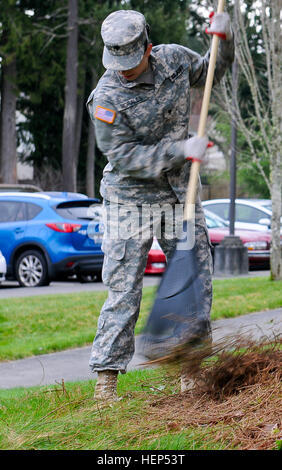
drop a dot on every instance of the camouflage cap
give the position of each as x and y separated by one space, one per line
124 34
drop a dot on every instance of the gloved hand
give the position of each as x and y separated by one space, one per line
220 25
195 148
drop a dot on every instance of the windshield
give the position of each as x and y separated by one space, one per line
212 222
267 205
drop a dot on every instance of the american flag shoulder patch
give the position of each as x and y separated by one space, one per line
105 114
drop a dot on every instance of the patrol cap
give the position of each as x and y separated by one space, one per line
124 34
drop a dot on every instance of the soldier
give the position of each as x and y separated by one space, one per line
140 110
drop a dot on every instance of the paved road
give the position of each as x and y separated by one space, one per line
72 365
10 289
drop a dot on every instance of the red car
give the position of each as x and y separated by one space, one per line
257 242
156 262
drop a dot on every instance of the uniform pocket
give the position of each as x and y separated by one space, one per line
113 273
114 248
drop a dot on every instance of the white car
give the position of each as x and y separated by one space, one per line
250 214
3 268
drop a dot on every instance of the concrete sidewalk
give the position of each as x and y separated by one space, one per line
72 365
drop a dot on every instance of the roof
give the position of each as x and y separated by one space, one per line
51 196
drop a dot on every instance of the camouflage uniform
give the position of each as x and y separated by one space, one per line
141 127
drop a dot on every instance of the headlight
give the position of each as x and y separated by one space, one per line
256 246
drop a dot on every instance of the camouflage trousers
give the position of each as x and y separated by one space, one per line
125 261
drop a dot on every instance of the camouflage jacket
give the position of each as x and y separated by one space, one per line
140 127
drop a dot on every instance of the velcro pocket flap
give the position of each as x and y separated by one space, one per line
115 249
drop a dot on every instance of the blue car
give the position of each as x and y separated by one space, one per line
47 236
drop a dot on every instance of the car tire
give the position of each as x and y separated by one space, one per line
31 269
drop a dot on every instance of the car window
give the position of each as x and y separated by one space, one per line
214 223
249 214
32 210
79 210
221 209
12 211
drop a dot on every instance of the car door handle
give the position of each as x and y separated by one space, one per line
19 230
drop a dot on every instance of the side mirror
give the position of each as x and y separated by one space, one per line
265 222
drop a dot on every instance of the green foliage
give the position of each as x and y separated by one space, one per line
249 178
42 102
167 19
34 32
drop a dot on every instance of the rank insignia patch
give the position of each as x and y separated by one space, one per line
105 114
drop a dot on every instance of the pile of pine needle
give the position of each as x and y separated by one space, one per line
237 392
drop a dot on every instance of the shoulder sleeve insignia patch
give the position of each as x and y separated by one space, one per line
105 114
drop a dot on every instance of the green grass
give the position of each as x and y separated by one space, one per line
238 296
67 418
42 324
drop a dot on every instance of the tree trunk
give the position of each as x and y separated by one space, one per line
70 112
276 160
276 261
90 159
8 124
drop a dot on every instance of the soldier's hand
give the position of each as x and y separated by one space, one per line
195 148
220 25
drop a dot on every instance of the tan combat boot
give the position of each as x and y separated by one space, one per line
186 383
106 386
188 376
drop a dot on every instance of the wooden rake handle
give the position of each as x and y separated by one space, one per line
189 211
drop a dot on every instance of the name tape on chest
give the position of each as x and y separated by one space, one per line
105 114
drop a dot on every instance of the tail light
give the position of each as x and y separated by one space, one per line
64 227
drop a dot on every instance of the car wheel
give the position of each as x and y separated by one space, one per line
31 269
